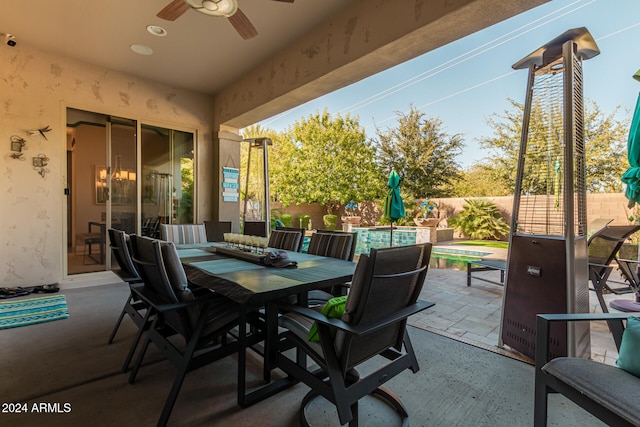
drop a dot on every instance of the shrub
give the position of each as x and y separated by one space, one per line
286 219
480 219
330 221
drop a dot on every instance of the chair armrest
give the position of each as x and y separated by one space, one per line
161 305
357 330
543 325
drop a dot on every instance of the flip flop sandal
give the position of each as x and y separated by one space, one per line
45 289
13 292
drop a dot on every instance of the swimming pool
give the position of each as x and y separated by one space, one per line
441 257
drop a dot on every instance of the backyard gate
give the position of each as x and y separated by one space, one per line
547 263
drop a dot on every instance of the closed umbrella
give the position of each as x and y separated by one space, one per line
393 205
632 176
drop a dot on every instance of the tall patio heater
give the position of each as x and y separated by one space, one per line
547 264
256 213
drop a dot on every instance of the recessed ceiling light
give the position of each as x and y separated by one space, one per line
156 30
141 49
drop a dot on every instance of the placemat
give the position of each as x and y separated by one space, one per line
229 265
192 253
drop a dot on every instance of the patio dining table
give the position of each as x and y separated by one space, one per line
246 280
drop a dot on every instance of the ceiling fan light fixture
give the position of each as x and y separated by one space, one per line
214 7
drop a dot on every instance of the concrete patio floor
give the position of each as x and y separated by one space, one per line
458 385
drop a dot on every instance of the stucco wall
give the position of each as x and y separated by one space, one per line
35 90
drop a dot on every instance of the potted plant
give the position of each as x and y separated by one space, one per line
351 217
426 217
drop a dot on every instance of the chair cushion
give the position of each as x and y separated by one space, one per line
605 384
625 305
183 233
175 272
300 326
629 354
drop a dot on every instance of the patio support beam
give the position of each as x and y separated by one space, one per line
367 38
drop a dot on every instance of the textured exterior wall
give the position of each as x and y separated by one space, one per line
35 90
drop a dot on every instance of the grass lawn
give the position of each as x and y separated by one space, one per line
487 243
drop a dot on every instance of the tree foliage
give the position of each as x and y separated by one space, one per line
326 160
422 153
604 141
481 180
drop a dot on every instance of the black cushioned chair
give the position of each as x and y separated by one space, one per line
301 230
383 295
215 230
287 240
134 306
606 391
335 244
201 318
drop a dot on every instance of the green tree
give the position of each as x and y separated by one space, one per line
326 160
604 140
481 180
422 153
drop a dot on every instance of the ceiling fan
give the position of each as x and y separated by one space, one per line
226 8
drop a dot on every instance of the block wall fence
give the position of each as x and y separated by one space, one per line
599 205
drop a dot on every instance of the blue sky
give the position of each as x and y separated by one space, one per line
464 82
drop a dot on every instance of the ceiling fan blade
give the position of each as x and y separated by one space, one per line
173 10
286 1
243 26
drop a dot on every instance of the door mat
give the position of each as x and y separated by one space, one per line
33 310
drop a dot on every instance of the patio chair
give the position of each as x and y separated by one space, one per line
151 227
603 247
215 230
383 295
301 230
119 244
134 307
202 318
335 244
287 240
181 234
607 392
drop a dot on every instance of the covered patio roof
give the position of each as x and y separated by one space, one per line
303 49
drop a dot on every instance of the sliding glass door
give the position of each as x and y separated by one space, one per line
101 186
167 177
126 176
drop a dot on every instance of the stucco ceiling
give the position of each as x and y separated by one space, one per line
200 52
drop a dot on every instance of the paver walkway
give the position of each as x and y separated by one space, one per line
472 314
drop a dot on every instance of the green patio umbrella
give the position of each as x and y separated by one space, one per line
632 176
393 204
